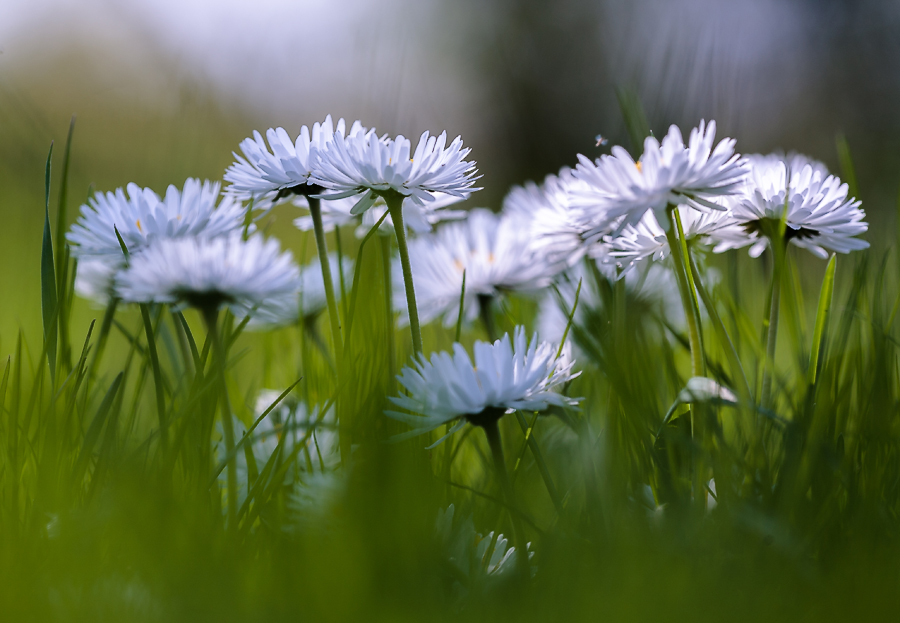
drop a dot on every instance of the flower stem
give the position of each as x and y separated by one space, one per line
315 210
687 297
210 315
492 432
680 254
395 207
487 316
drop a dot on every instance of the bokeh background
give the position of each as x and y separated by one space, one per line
165 89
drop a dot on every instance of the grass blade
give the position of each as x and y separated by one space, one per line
49 301
825 296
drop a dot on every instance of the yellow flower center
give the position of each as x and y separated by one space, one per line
140 229
639 166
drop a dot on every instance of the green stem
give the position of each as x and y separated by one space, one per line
680 253
157 379
492 432
315 210
211 315
395 207
528 431
694 337
105 328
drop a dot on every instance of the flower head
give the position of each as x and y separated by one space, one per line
365 166
94 279
619 190
493 250
508 374
266 174
245 275
142 217
819 215
557 235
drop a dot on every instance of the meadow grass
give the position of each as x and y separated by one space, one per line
101 520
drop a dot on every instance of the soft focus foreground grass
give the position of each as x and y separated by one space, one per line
805 529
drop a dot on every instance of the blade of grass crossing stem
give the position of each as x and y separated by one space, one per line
462 302
357 271
570 318
49 301
848 171
157 377
62 253
825 297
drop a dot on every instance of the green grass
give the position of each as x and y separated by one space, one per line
99 523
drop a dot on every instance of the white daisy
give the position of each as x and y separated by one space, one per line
307 302
419 218
142 217
820 216
266 175
557 234
206 273
364 164
493 250
619 190
647 239
506 375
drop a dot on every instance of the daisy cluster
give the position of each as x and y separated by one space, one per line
616 214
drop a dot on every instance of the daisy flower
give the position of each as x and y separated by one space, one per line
267 174
142 217
493 250
507 375
365 166
557 234
619 190
207 273
820 216
421 219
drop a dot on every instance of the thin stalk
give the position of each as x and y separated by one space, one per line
680 253
211 315
694 338
315 209
492 432
528 431
395 207
157 379
340 258
105 328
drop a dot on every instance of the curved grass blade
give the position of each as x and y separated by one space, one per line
825 297
49 301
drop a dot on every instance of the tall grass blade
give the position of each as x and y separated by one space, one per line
49 301
824 307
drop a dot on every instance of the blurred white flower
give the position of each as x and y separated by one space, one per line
205 273
820 217
495 252
307 302
557 235
266 176
619 190
142 217
364 164
506 375
95 278
419 218
703 389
